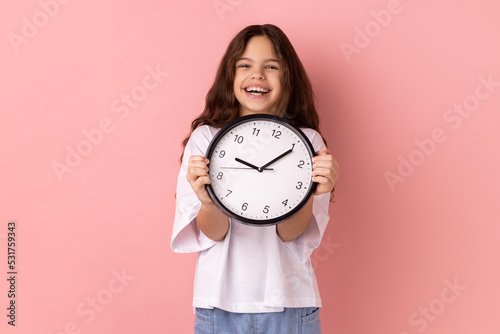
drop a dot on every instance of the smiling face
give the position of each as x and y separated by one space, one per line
257 81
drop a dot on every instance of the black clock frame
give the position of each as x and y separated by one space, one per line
226 129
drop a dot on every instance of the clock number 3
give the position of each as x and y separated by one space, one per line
299 185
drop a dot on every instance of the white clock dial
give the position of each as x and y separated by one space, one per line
260 169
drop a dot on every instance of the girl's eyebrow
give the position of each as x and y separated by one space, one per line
251 60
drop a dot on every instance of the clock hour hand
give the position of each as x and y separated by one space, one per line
276 159
248 164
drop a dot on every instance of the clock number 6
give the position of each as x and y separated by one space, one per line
244 207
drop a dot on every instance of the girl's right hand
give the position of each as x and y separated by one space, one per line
197 176
211 221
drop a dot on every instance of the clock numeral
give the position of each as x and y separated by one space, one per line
299 185
266 209
255 132
229 192
222 154
219 176
238 139
276 134
244 207
285 202
301 163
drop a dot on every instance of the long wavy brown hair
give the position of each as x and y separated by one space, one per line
297 101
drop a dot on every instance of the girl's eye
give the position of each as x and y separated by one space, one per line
244 66
271 67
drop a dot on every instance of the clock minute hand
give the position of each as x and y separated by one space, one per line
247 164
276 159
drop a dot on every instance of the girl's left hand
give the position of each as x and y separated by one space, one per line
325 171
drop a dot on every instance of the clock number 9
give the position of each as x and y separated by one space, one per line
222 154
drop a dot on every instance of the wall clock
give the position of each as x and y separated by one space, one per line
260 169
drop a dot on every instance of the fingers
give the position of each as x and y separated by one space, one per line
325 177
197 168
198 158
197 176
324 155
325 171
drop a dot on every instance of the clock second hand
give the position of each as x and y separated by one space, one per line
242 168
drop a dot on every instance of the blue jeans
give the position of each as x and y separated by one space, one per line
303 320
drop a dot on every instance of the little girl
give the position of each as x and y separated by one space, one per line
253 279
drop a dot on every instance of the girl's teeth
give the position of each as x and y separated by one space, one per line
256 90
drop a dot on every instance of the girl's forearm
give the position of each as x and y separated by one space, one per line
296 225
212 222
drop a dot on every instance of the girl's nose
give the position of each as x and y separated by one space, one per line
258 75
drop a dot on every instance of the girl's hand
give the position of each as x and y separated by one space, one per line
211 221
326 171
197 176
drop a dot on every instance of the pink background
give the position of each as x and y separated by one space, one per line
391 254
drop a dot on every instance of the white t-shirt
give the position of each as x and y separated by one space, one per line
251 270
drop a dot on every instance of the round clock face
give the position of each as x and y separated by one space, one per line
260 169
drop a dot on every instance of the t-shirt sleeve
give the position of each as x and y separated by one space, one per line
186 235
303 246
